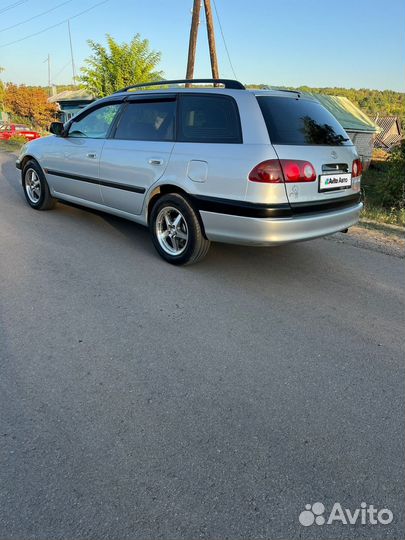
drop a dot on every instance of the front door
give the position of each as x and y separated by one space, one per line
72 162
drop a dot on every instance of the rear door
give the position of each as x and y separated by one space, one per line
302 129
137 153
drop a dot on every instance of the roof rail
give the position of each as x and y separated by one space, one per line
228 83
299 92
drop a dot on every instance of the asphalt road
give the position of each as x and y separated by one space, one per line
143 401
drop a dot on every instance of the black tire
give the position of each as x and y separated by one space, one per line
39 198
190 250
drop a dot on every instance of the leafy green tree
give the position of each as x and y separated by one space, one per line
118 65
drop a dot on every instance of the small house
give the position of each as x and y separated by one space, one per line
390 134
70 102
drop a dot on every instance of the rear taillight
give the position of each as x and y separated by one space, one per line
357 168
298 171
267 171
275 171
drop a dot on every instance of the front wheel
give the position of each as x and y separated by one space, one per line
36 189
176 231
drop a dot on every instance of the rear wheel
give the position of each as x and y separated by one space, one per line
36 189
176 231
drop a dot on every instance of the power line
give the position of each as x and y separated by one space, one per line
11 6
223 38
54 25
35 16
55 77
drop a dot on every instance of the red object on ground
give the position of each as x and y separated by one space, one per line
11 130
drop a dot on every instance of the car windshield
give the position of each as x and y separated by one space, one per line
20 127
292 120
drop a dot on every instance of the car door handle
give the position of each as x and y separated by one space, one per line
156 161
91 155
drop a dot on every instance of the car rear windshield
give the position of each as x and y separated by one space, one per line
301 121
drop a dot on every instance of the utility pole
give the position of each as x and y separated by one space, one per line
195 21
71 54
211 39
49 73
48 59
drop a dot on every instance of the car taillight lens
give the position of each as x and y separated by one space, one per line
268 172
274 171
298 171
357 168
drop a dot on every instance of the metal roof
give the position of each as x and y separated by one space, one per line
347 113
71 95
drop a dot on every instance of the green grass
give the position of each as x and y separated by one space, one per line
373 208
381 215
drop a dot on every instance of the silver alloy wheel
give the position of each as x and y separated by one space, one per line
171 230
32 185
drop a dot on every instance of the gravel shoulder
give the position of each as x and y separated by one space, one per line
387 241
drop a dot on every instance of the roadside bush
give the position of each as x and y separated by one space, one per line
380 155
390 189
18 140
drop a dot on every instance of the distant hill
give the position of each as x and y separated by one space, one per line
372 102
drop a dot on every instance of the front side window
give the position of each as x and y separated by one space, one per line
96 124
147 121
210 119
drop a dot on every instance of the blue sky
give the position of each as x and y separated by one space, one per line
349 43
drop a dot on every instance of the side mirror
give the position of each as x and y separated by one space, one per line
57 128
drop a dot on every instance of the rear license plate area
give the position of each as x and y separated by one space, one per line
332 182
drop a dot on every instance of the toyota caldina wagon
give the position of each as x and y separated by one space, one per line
197 165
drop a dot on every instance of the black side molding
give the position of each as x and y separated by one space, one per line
282 210
87 179
240 208
313 207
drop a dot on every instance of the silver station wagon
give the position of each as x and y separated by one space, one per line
218 163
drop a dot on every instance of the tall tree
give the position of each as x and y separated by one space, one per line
118 65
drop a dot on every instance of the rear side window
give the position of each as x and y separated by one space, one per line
209 119
302 122
147 121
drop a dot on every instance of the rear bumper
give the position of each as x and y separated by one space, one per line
274 231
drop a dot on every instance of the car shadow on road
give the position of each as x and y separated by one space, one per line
282 262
